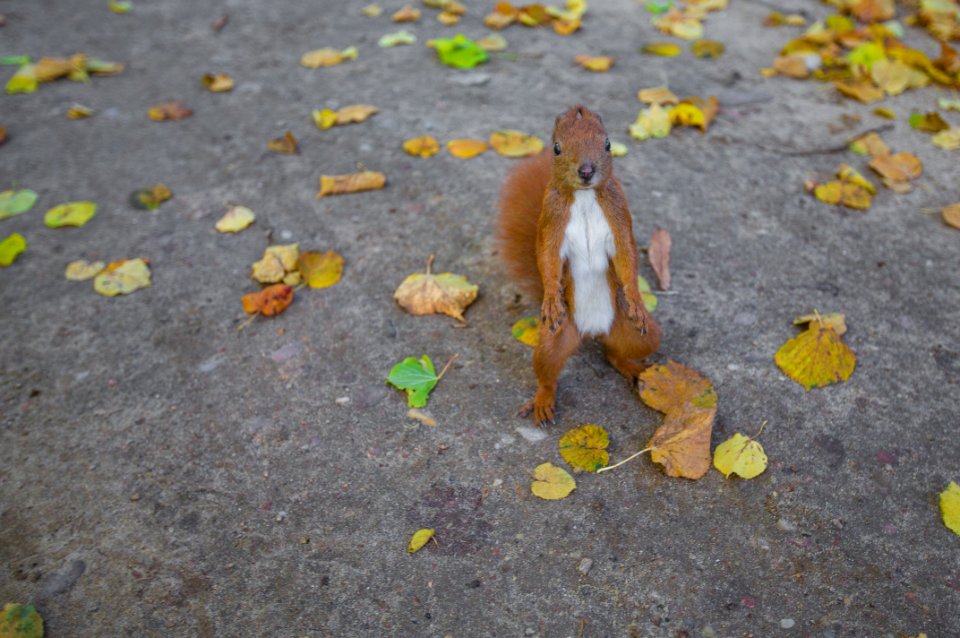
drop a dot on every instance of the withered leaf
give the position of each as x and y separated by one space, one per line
350 183
427 294
659 255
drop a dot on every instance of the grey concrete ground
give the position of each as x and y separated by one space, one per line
163 475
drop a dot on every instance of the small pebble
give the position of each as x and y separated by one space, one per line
134 497
585 565
529 631
342 400
786 525
281 516
786 623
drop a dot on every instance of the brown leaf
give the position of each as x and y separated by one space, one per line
862 90
670 386
682 443
175 110
406 14
659 255
219 23
351 183
286 144
270 301
428 294
951 215
901 167
657 95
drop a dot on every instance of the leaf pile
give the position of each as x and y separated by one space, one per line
78 68
564 21
666 111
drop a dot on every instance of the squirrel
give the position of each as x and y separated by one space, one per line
565 232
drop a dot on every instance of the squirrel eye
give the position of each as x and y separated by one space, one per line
606 146
556 149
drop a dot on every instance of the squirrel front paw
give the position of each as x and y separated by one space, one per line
552 313
637 314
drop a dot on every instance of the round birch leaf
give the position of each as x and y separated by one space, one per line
950 507
741 456
551 483
585 447
70 214
527 330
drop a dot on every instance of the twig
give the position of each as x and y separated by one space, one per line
762 425
430 263
246 323
629 458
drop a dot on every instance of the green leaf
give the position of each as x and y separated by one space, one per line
20 621
70 214
15 202
394 39
657 7
459 51
649 299
11 247
119 6
417 377
16 60
24 80
867 54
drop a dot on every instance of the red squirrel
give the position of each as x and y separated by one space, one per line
565 231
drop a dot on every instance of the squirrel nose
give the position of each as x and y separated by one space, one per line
586 171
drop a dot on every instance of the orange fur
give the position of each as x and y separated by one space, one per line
516 230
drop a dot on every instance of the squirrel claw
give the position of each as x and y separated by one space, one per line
552 314
542 410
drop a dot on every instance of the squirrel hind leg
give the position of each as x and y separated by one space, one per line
625 347
548 361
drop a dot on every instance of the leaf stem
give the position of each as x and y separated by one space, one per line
629 458
447 365
762 425
430 263
247 322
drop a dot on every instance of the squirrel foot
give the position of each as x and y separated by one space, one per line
542 408
637 314
552 313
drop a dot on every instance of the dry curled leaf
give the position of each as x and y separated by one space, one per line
466 148
276 263
657 95
421 146
598 64
659 255
327 57
217 82
351 183
816 357
510 143
951 215
175 110
270 301
286 144
427 294
355 113
682 443
406 14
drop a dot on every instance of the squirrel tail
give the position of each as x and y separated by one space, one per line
516 229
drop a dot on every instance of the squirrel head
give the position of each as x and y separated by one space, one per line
581 150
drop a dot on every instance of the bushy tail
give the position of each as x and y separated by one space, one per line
516 229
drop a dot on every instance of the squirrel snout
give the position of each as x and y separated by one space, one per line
586 171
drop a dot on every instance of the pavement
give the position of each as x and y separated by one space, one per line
162 474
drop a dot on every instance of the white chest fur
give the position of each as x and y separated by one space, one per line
587 247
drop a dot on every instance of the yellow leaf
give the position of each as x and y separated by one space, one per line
70 214
793 65
217 82
427 294
421 146
11 247
327 57
682 443
679 24
951 215
419 539
862 90
842 192
351 183
122 277
235 220
320 270
852 175
664 49
422 417
657 95
585 447
79 112
527 331
885 113
286 144
372 10
81 269
950 507
651 122
551 482
406 14
510 143
617 149
900 167
466 148
492 42
447 18
816 357
948 140
741 456
275 263
396 39
707 49
324 119
356 113
175 110
566 27
892 76
20 621
871 145
597 64
687 115
24 80
834 320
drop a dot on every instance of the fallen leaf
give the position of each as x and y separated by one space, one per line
687 115
598 64
816 357
327 57
527 330
175 110
415 376
533 15
447 18
325 118
3 135
885 113
949 104
119 6
217 82
422 417
406 14
235 219
419 539
566 27
459 51
70 214
276 262
682 443
492 42
707 49
951 215
680 24
664 49
49 69
466 148
396 39
81 269
649 299
892 76
852 175
862 90
652 122
421 146
585 447
150 198
740 455
551 483
11 247
320 270
504 14
948 140
20 621
16 202
844 193
872 10
219 23
426 293
617 149
24 80
657 95
671 386
871 145
950 507
833 320
351 183
928 122
268 302
286 144
79 112
122 277
659 255
510 143
372 10
901 167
